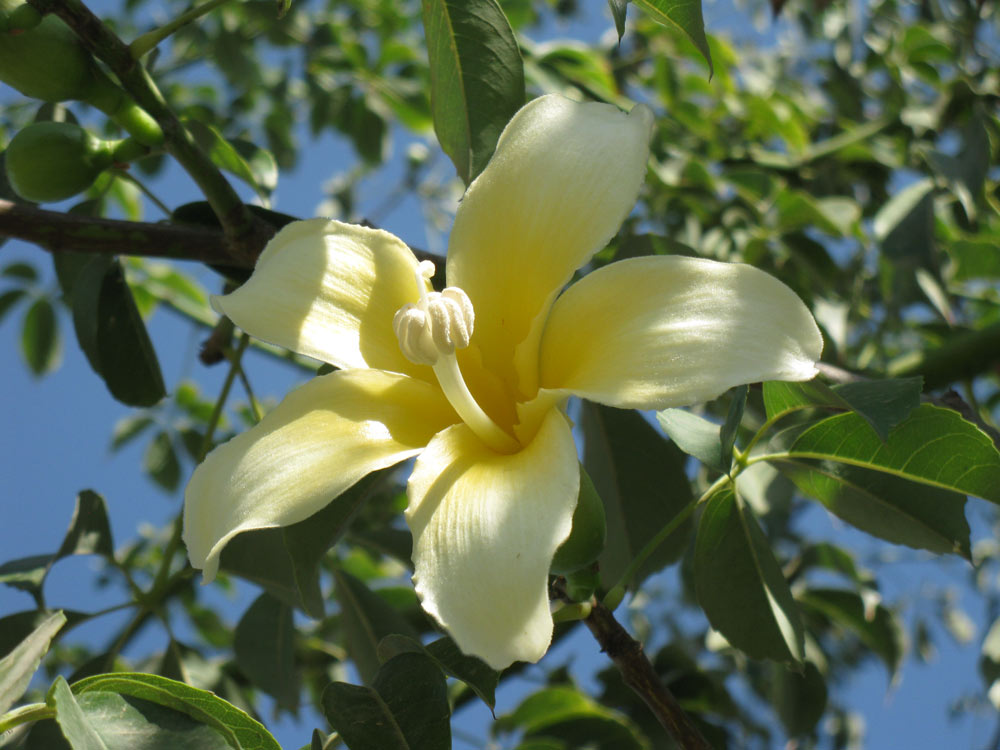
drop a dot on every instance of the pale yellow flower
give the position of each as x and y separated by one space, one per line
496 478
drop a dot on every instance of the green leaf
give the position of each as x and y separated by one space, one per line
740 585
128 723
798 697
477 78
20 625
40 337
112 334
882 403
240 731
128 428
932 446
563 713
286 561
8 299
686 16
264 645
72 720
619 11
89 533
884 505
366 619
905 225
477 674
160 462
973 259
641 479
406 708
20 271
226 156
876 626
694 435
18 667
727 435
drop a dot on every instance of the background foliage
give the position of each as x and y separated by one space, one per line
852 156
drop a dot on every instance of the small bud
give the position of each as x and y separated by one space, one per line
52 161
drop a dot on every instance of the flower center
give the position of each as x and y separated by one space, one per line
429 332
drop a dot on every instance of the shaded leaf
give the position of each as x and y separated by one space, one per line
880 631
619 12
8 299
161 463
477 674
286 561
226 156
264 644
18 667
89 533
477 78
563 713
40 337
798 697
406 708
366 619
20 271
686 16
112 334
640 477
740 585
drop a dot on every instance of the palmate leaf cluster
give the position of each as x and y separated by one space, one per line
852 157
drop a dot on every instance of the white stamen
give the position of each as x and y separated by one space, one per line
429 332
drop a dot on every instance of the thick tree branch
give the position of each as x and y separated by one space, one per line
245 233
57 232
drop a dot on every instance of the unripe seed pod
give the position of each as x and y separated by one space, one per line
586 541
23 17
47 61
52 161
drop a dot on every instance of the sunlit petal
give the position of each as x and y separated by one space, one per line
649 333
563 178
485 527
329 290
319 441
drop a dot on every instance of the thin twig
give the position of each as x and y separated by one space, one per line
639 674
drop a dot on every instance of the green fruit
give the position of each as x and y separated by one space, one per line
52 161
586 540
47 62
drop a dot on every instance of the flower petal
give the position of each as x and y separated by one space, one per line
329 290
319 441
485 527
648 333
563 178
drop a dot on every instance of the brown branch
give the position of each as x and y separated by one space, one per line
57 232
60 232
245 233
637 672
